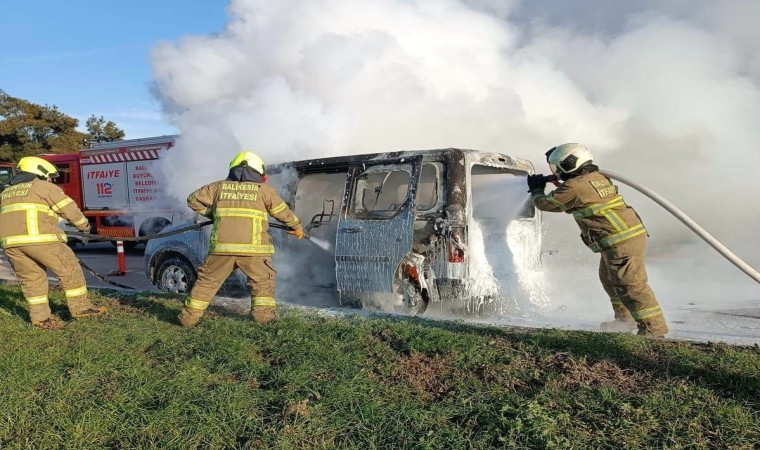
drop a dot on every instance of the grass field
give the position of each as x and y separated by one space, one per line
134 379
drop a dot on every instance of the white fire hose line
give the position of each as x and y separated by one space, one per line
686 220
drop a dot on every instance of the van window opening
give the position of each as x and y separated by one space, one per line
499 194
379 194
318 198
428 187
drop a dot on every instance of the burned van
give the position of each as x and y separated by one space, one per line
448 230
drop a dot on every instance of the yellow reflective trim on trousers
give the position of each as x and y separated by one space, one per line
241 212
617 238
599 208
243 248
26 239
263 301
62 204
37 300
194 303
76 292
279 208
647 313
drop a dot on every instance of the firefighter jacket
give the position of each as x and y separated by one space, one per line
240 211
30 210
602 215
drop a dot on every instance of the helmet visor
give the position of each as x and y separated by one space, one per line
555 170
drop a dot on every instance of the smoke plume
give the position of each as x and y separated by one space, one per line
666 92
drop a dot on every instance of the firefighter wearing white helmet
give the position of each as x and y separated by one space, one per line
609 227
29 234
239 206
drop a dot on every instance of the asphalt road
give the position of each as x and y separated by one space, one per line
102 257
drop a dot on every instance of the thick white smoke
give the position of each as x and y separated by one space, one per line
664 91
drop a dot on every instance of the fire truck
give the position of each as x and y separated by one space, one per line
118 185
7 171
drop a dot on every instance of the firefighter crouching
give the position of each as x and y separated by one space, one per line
239 207
29 211
609 227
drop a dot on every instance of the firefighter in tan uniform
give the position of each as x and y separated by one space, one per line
609 227
240 207
29 234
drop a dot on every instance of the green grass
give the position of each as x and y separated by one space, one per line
135 379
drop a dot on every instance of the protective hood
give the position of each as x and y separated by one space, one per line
588 168
22 177
244 173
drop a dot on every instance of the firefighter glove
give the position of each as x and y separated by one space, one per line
86 237
297 232
536 183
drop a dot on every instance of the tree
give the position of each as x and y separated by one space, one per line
28 129
100 130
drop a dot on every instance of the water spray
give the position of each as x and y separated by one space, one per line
321 243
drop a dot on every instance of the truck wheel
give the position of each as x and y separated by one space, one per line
175 275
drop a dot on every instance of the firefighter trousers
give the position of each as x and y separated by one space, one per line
30 263
623 274
215 270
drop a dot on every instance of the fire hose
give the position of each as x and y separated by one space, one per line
97 237
686 220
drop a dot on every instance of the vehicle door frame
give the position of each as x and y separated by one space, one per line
369 250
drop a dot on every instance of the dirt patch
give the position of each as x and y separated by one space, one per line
576 373
52 323
426 375
299 409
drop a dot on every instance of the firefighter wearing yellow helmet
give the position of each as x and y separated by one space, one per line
240 207
609 227
29 211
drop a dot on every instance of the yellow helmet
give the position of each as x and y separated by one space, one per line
250 159
37 166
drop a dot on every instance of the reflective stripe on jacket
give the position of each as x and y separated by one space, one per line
240 211
602 215
29 214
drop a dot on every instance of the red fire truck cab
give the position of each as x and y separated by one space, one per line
118 185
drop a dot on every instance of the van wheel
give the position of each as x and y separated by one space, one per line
415 302
175 275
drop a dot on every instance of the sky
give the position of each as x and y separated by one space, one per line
93 57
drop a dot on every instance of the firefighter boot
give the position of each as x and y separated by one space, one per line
189 317
264 314
39 313
81 307
653 327
51 323
623 322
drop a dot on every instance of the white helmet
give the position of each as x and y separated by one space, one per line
568 158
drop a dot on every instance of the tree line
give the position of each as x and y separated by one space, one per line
28 129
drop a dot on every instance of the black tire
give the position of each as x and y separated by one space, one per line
176 275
